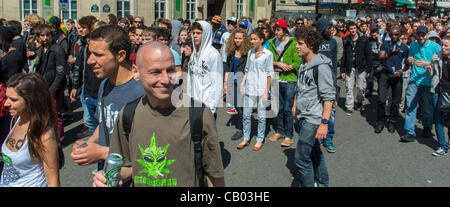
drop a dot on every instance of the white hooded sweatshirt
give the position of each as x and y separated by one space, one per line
205 77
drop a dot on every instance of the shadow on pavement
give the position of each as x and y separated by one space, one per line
290 164
226 155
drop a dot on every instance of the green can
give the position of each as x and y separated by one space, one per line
113 165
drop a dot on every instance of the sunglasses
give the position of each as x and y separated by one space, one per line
137 22
394 34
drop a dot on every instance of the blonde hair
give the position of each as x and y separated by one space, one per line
245 46
34 20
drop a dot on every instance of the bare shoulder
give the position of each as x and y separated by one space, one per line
48 135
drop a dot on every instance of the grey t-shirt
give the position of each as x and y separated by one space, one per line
114 98
280 46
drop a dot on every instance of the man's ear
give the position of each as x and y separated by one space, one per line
121 56
135 72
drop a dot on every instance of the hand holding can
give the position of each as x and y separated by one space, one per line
113 166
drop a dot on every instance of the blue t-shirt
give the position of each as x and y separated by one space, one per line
395 62
235 63
115 97
424 52
176 57
266 44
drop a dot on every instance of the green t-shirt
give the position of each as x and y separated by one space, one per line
160 148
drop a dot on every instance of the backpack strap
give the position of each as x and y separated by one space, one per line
284 50
196 124
128 116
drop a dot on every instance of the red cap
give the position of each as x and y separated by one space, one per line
281 23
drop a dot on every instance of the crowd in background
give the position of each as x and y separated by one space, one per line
397 54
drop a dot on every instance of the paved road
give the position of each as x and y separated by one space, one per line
363 158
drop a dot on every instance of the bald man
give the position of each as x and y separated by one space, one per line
159 150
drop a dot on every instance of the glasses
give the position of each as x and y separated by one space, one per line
137 22
379 20
394 35
300 23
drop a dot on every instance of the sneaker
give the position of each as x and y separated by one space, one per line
232 111
379 127
275 137
237 135
439 152
287 142
391 127
348 112
330 148
407 138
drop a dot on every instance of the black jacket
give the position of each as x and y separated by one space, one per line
364 58
230 62
83 73
52 65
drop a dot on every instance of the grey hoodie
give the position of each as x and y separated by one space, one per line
310 96
437 64
205 76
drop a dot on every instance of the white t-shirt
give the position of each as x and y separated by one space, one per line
223 41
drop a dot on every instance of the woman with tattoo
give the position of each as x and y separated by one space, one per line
30 151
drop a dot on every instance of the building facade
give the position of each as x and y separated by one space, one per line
150 9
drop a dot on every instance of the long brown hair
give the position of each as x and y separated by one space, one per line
245 46
33 88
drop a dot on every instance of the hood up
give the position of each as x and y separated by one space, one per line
206 40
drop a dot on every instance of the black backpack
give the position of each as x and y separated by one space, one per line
196 126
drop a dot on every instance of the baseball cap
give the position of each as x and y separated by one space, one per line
281 23
422 29
433 34
244 23
217 19
53 20
233 19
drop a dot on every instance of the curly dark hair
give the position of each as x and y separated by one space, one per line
311 38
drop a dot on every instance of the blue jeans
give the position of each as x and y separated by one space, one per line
414 92
309 157
285 120
249 102
440 118
331 132
89 108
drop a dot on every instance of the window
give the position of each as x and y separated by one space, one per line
123 8
190 9
71 13
28 7
160 9
240 8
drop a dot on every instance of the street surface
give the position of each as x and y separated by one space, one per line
363 158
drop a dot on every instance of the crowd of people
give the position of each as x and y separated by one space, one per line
288 70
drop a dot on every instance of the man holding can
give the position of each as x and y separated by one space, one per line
155 154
